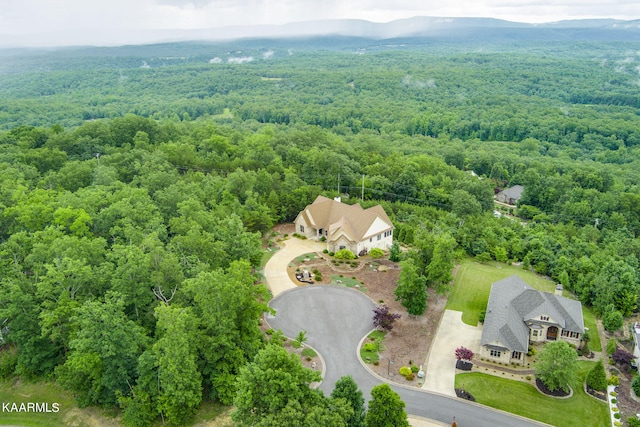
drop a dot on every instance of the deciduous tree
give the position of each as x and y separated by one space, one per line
557 365
386 409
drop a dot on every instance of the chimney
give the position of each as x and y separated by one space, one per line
559 289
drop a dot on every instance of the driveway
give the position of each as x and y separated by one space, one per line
275 270
336 319
440 368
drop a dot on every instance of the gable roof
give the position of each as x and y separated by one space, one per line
338 218
512 303
514 192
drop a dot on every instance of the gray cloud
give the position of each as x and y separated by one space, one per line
114 21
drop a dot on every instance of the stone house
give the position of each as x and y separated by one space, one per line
517 315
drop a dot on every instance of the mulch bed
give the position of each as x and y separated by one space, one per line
602 395
463 365
544 389
463 394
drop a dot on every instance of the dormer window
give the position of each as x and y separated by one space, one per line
544 317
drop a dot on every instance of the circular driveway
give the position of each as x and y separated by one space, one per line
336 319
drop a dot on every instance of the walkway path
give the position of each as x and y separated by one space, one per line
440 367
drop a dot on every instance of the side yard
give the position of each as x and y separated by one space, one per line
524 399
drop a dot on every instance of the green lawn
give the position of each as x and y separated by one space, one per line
525 400
18 391
473 283
348 282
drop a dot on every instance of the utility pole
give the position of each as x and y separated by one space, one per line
362 197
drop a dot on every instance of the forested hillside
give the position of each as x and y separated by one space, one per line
135 181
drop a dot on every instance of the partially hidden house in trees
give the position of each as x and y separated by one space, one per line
510 195
517 315
345 226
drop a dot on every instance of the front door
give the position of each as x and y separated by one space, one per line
552 333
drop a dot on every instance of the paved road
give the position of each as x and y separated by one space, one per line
336 319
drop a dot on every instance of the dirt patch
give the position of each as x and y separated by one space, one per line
410 340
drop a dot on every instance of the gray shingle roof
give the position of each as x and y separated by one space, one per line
512 302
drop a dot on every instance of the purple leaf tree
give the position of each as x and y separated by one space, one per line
382 319
463 353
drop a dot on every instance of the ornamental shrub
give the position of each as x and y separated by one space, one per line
376 253
405 371
614 380
344 254
635 385
597 378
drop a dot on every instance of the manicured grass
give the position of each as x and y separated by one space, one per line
308 352
524 399
473 283
372 356
590 322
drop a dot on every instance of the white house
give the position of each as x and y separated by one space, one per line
345 226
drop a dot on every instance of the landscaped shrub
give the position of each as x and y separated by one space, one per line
611 346
414 369
616 415
531 352
345 254
613 393
369 346
597 378
376 253
614 380
325 251
405 371
614 401
635 385
331 253
317 278
633 421
483 314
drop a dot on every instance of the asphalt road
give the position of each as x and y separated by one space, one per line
336 319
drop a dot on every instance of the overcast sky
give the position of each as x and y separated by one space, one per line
110 19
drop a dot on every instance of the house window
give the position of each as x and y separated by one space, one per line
565 333
370 239
516 355
496 353
379 236
301 228
342 247
544 317
574 335
535 332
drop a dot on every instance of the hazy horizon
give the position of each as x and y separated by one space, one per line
115 22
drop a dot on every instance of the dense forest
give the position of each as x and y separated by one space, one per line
135 181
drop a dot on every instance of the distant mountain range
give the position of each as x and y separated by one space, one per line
421 26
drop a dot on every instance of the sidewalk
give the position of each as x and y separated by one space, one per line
276 269
440 367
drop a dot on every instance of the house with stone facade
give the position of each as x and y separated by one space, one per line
518 315
345 226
